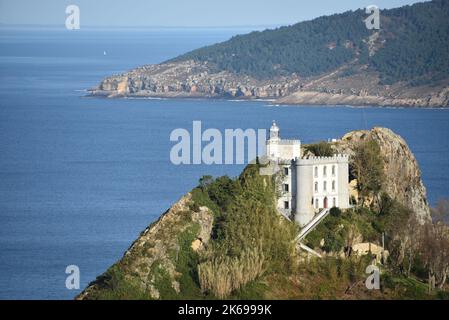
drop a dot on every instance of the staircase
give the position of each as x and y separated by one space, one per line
312 224
309 228
309 250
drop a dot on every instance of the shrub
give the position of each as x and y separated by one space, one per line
321 149
222 275
335 212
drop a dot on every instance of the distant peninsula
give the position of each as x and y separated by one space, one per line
331 60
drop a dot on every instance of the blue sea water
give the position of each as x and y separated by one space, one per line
81 177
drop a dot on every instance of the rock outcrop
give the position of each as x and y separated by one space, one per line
192 79
403 176
156 251
154 261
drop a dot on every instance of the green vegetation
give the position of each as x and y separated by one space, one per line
320 149
186 264
116 286
367 167
224 274
250 238
418 47
251 253
340 229
414 46
418 249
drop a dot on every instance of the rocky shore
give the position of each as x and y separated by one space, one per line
350 85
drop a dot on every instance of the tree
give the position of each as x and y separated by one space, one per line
407 243
205 181
368 169
435 252
222 191
441 211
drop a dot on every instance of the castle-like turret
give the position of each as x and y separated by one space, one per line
309 184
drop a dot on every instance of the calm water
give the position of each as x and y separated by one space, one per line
81 177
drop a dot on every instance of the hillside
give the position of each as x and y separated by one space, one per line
411 44
225 239
329 60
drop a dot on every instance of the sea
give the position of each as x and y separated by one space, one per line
81 177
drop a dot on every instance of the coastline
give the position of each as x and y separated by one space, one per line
275 102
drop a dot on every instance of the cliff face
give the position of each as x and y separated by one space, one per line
403 176
184 79
152 263
192 79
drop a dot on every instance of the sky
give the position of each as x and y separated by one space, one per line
181 13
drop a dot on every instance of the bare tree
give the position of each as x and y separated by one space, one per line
407 243
441 211
414 235
435 252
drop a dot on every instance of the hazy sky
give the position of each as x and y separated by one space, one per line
115 13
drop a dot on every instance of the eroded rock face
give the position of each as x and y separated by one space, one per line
403 176
157 248
351 84
192 79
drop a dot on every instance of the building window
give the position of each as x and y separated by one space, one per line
316 172
324 170
317 205
286 188
286 205
316 187
333 170
325 186
333 185
334 202
286 171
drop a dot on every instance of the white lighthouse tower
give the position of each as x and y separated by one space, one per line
273 142
309 184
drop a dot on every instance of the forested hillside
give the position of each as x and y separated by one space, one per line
412 44
331 60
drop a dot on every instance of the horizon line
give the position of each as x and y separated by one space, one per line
275 25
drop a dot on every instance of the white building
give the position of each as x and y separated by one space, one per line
307 184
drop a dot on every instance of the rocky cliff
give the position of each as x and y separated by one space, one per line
403 176
161 262
153 262
191 79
